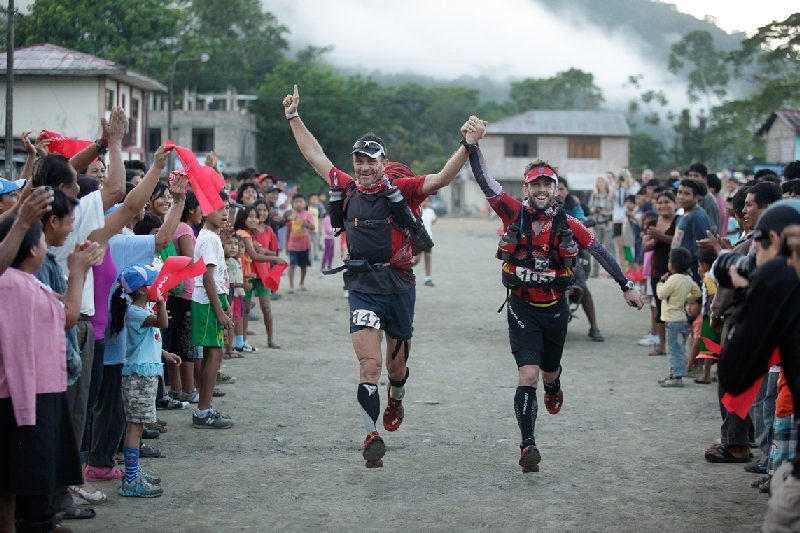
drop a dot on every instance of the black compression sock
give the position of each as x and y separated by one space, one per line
525 407
370 403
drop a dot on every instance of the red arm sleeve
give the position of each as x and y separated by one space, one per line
583 236
507 207
343 178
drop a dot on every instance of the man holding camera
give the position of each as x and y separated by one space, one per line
768 321
752 201
539 249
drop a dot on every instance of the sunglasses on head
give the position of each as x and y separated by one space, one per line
369 145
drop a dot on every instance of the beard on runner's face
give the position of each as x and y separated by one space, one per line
540 192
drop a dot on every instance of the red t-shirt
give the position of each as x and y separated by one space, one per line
411 188
508 209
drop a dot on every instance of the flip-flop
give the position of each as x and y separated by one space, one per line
702 381
77 513
724 456
654 352
274 345
218 393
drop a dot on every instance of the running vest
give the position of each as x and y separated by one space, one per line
368 226
550 272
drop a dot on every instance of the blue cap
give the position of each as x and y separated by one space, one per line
11 186
136 276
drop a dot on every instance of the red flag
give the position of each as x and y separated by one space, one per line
205 181
741 403
273 280
175 270
712 346
61 144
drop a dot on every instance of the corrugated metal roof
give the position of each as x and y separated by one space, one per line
791 117
51 60
605 123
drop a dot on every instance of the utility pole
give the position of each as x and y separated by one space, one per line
9 167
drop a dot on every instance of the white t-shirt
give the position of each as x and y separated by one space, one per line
428 216
88 217
619 209
209 248
282 199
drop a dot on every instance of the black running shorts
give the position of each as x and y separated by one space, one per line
537 334
393 313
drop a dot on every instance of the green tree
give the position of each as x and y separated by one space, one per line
571 89
690 139
646 151
709 75
136 33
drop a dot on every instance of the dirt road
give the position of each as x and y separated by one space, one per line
623 454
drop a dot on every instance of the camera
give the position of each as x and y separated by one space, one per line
745 264
541 264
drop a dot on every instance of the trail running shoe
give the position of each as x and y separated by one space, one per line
374 450
245 348
393 414
139 488
214 420
170 403
529 456
553 402
225 379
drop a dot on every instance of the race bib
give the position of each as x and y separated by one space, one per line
362 317
529 276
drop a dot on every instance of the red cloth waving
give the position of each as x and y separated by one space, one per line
205 181
61 144
176 269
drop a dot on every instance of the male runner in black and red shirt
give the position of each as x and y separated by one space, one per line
538 248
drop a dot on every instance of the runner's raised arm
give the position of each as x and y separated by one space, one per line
308 145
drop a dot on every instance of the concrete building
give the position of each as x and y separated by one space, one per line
581 144
781 132
63 90
205 122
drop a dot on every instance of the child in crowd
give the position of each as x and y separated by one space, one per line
629 231
131 310
299 243
673 290
246 226
266 238
428 219
313 209
705 259
330 241
694 321
234 251
209 318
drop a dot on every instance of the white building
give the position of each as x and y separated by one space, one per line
781 132
63 90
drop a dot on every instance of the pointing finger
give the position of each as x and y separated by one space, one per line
296 93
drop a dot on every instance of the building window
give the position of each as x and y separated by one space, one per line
153 139
202 139
521 146
131 137
110 100
584 148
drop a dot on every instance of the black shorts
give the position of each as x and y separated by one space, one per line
300 259
180 338
580 276
537 334
393 313
617 229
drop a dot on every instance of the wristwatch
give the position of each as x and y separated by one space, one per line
470 147
290 116
100 148
628 286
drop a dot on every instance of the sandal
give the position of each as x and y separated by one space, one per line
657 352
227 355
274 345
94 498
595 335
218 393
720 454
700 381
77 513
756 483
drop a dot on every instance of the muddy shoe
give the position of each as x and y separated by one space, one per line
374 450
553 402
529 456
393 414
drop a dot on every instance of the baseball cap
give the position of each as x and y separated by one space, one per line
374 149
777 216
11 186
136 276
541 172
272 188
262 177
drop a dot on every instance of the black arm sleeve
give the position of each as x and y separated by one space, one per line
480 170
607 262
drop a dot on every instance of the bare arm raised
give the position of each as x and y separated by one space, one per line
308 145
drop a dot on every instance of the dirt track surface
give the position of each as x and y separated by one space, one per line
623 455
